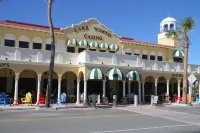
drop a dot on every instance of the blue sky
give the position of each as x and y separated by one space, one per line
138 19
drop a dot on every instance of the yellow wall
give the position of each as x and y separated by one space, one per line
170 42
147 48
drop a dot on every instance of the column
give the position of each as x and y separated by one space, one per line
179 88
168 87
124 87
38 89
190 89
2 41
59 90
143 93
139 92
104 88
129 87
85 93
16 87
31 45
78 92
156 83
199 88
17 43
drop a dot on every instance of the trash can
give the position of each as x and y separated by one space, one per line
93 100
152 97
114 100
98 100
135 100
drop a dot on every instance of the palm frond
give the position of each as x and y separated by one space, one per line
187 25
172 34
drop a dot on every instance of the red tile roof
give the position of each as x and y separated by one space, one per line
27 25
125 39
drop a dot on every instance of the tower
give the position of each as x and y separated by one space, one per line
167 24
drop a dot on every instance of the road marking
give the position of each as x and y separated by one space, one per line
63 118
174 119
147 128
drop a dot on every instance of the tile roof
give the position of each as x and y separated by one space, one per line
131 40
27 25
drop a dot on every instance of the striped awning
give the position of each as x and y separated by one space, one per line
115 74
72 42
178 53
83 43
114 47
133 75
104 46
94 45
95 74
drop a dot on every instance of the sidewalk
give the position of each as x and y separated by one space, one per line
54 107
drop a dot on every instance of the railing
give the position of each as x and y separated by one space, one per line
92 57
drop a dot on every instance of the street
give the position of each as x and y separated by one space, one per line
89 121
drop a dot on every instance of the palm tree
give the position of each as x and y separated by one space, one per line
51 66
186 26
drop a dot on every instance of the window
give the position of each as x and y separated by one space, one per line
165 27
160 58
71 49
152 57
178 60
111 51
23 44
37 46
48 46
92 49
136 54
171 26
102 50
144 57
10 43
80 49
128 53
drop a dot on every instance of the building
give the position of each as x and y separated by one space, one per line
90 58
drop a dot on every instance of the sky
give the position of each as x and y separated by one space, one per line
138 19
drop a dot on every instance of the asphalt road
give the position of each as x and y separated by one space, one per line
191 109
89 121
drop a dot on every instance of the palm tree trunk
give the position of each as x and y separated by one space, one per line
185 75
51 67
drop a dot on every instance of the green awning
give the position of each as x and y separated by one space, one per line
95 74
115 74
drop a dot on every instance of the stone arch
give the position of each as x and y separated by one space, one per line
48 41
162 85
7 81
69 84
24 38
136 51
149 87
152 53
149 79
81 76
44 81
27 83
128 51
10 36
37 40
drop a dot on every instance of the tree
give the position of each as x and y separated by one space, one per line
51 66
187 26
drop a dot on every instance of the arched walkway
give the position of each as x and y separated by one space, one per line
44 81
173 88
162 86
7 81
116 84
149 88
27 83
69 86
